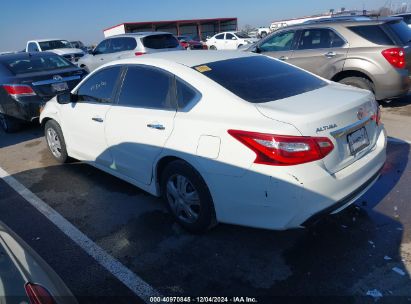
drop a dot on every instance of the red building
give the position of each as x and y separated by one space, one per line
202 28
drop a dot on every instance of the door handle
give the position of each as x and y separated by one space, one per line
156 126
98 119
101 58
284 58
330 54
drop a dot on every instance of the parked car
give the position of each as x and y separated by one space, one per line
229 41
406 17
129 45
57 46
80 45
189 43
370 54
229 137
260 32
28 80
25 277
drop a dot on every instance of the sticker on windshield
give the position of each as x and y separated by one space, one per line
202 68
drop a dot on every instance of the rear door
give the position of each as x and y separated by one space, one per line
279 45
122 47
321 51
220 41
138 126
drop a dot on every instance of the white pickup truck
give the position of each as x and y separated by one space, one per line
58 46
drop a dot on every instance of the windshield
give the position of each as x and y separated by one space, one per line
54 44
259 79
242 35
36 64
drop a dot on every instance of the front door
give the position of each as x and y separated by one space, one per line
278 46
83 121
138 126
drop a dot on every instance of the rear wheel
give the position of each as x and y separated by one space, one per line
188 197
359 82
213 47
55 141
240 45
9 124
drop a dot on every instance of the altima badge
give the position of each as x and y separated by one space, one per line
325 128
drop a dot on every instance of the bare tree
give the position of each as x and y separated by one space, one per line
385 11
247 28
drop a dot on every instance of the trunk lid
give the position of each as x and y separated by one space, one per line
47 84
334 111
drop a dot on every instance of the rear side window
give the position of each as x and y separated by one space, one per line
100 86
373 33
146 87
259 79
31 64
319 39
401 30
220 37
185 94
122 44
162 41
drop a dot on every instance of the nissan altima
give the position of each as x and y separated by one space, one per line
223 136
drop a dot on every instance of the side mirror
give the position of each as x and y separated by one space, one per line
66 98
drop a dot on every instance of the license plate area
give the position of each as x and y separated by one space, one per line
58 87
358 140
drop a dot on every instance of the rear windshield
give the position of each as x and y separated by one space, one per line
54 44
373 33
35 64
164 41
259 79
401 30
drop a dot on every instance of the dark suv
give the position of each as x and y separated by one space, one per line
372 54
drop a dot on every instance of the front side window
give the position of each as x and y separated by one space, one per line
103 47
32 47
55 44
230 37
278 43
319 39
99 87
122 44
146 87
259 79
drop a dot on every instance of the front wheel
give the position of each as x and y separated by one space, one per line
55 141
188 197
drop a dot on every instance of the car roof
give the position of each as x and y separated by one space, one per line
25 55
349 21
44 40
138 34
189 59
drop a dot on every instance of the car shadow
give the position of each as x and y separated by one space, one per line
28 132
339 259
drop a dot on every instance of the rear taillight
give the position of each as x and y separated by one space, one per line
19 90
38 294
139 53
280 150
395 56
377 113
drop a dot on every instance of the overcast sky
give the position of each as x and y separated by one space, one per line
85 20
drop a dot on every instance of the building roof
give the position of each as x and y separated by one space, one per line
173 21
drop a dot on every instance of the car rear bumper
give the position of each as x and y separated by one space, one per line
392 85
27 109
291 197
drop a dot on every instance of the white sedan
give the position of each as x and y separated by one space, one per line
225 137
229 41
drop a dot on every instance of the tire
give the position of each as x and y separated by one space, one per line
213 48
240 45
263 34
9 124
197 216
55 141
359 82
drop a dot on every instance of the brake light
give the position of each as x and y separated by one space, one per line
395 56
38 294
19 90
280 150
139 53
